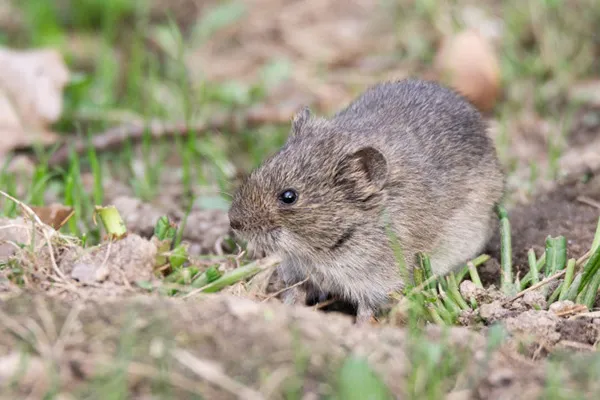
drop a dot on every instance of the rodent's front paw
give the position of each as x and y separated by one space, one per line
365 315
293 295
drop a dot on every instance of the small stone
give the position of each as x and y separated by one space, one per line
102 273
84 272
493 311
535 300
468 289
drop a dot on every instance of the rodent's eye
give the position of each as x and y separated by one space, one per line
288 196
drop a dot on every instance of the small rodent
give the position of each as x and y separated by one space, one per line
410 158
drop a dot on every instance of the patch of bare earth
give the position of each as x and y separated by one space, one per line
566 210
225 347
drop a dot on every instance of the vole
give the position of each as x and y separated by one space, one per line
407 163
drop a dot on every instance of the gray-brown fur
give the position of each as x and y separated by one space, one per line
414 149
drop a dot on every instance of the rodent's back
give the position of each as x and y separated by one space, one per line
432 120
422 125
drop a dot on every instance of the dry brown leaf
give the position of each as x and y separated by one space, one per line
467 62
31 85
55 215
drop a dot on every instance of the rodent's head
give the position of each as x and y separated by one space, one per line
313 194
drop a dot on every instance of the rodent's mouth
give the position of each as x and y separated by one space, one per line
262 242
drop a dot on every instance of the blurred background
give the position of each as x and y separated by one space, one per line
220 81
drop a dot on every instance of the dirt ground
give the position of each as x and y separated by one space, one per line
83 332
561 211
206 337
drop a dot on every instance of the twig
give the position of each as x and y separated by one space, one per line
590 314
324 304
589 201
277 293
534 287
572 311
116 136
584 257
545 281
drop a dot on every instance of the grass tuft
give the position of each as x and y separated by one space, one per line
507 284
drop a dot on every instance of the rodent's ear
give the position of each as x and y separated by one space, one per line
362 173
300 119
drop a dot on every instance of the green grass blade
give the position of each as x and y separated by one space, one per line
554 296
98 194
450 305
590 269
39 181
435 316
596 241
9 185
474 275
443 312
574 289
477 261
507 284
418 276
556 254
208 276
112 221
71 200
540 265
568 279
535 277
454 293
425 265
591 292
237 275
